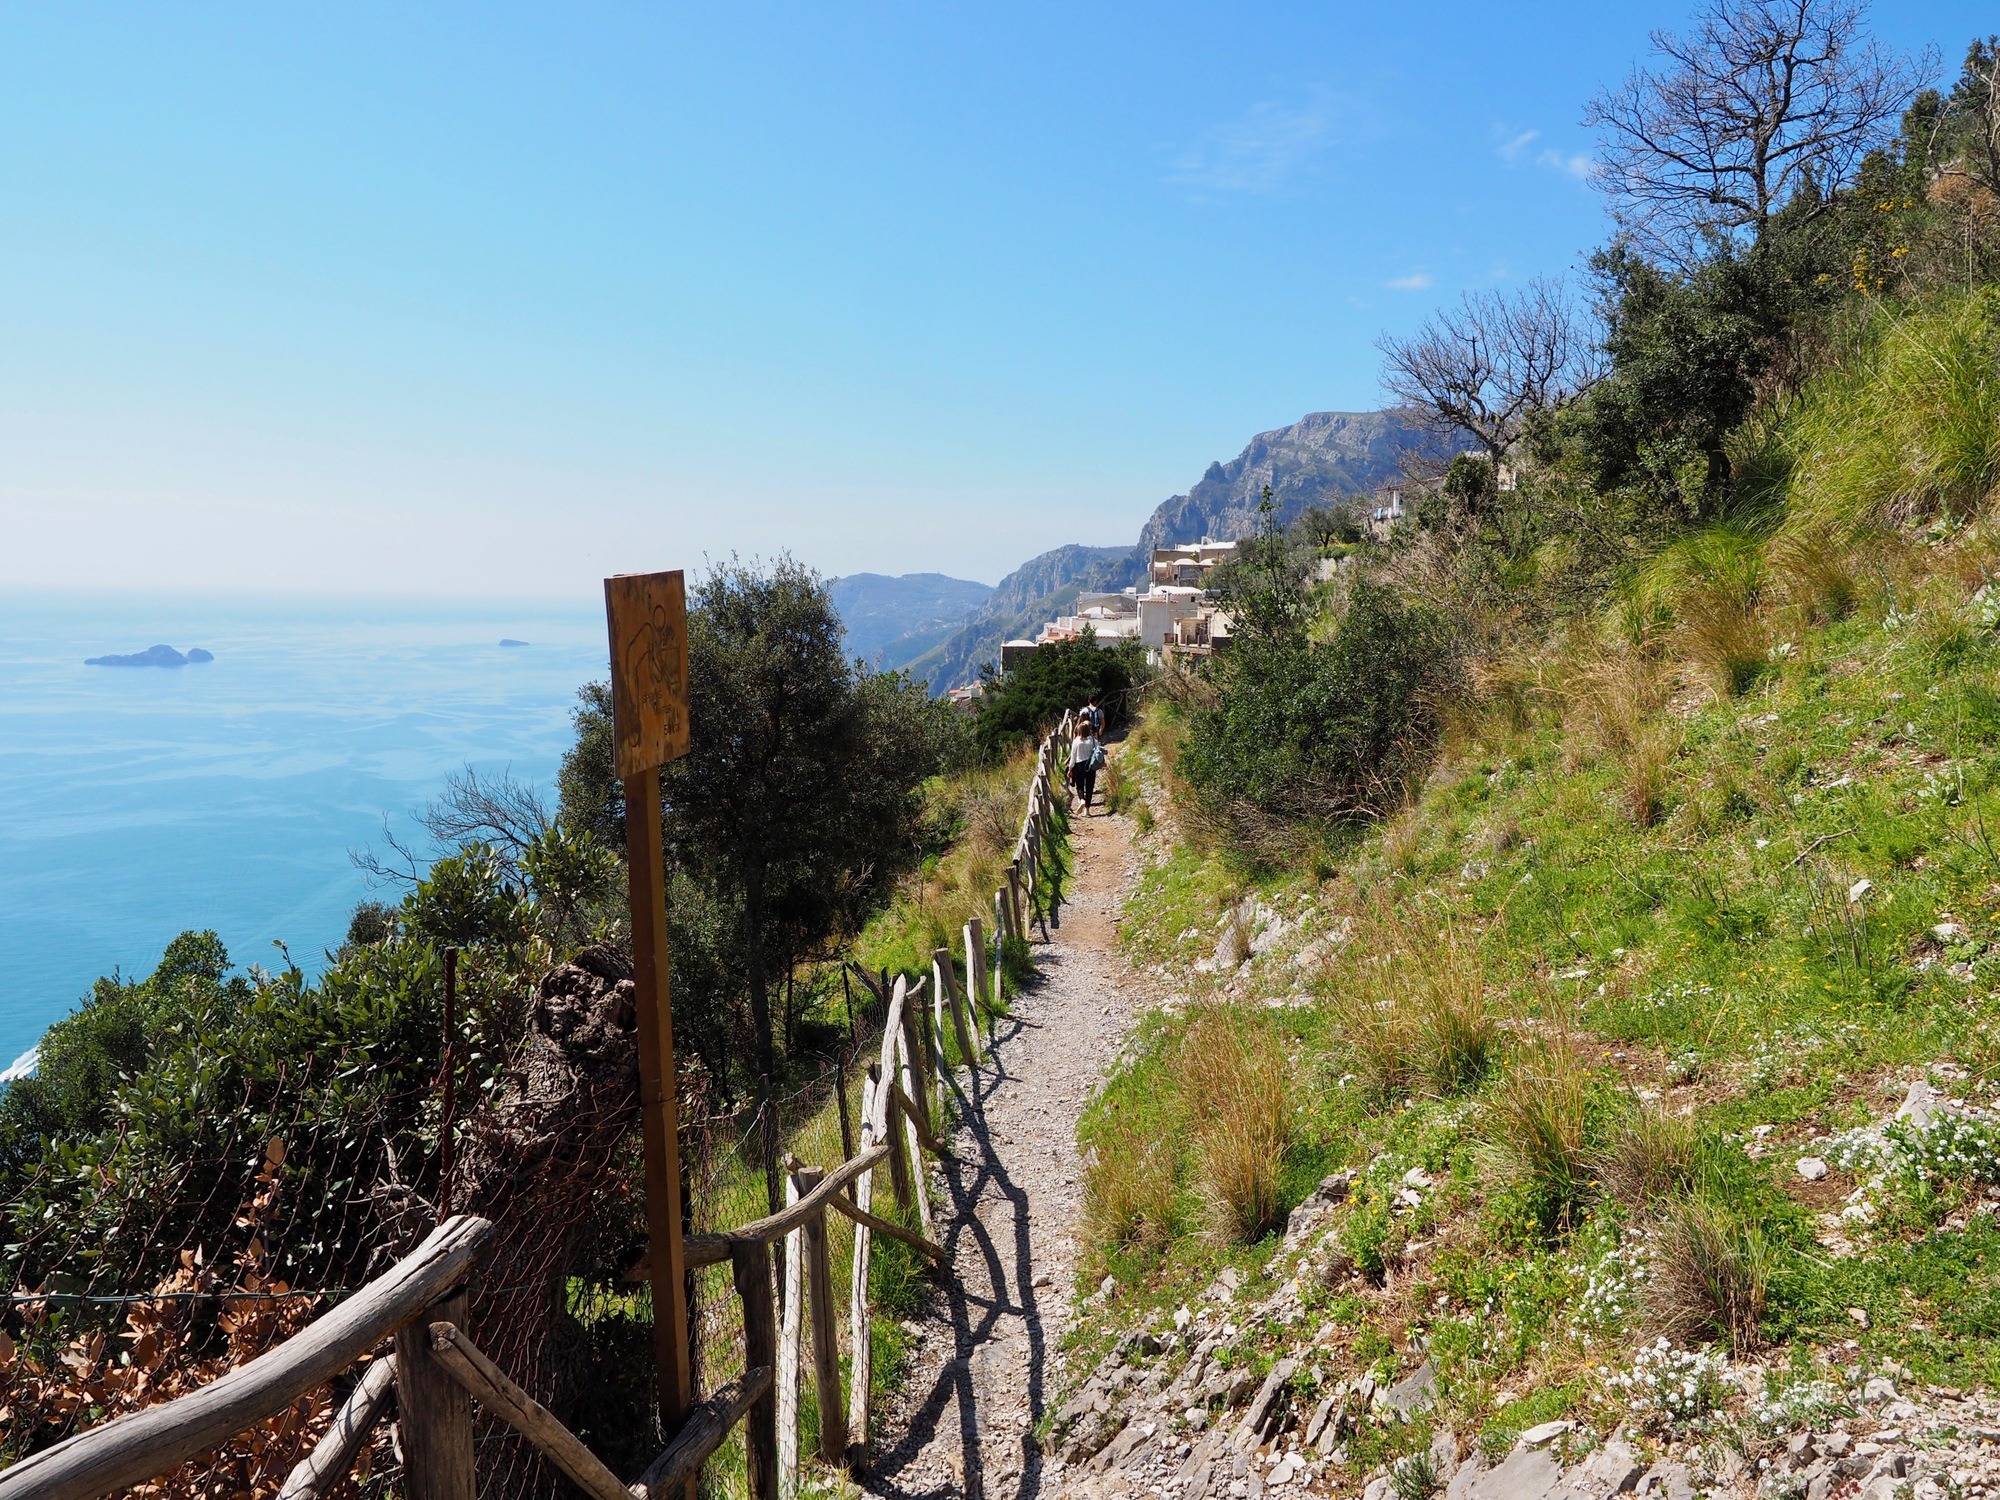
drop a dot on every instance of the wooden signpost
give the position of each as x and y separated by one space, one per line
647 616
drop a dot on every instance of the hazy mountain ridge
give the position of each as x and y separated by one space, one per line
1026 598
884 613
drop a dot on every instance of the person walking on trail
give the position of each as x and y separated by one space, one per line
1093 714
1086 754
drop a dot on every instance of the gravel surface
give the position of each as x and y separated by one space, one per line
986 1362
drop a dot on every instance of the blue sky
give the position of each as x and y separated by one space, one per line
490 299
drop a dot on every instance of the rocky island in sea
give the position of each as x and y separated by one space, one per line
152 656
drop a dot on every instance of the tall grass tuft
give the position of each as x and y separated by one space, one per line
1231 1079
1534 1126
1710 585
1710 1275
1908 431
1814 573
1608 699
1130 1193
1652 1157
1412 1009
1642 780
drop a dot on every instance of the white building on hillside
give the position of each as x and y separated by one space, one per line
1175 615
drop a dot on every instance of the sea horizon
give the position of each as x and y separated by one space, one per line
140 802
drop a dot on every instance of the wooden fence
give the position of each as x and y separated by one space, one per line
435 1372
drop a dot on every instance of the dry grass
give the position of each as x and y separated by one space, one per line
1815 575
1533 1132
1710 1275
1412 1008
1402 842
991 815
1707 591
1231 1077
1653 1157
1607 700
1643 778
1508 692
1130 1196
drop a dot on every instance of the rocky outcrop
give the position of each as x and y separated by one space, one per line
541 1157
152 656
889 621
1025 600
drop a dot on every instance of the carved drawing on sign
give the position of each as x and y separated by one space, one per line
649 634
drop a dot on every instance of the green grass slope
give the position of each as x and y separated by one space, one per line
1640 949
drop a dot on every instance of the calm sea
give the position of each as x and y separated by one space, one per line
137 802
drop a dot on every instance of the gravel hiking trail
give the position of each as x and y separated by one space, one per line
985 1359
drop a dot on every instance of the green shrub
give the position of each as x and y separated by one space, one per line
1029 698
1323 731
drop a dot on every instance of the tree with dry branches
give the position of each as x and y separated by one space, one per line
1764 101
1484 368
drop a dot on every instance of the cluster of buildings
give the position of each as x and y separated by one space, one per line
1174 616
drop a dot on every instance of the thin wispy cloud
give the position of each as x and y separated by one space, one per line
1518 149
1416 281
1263 149
1576 164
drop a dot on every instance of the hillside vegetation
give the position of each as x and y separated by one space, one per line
1584 912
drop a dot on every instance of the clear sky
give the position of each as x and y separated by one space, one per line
494 299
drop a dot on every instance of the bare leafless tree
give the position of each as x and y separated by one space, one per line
496 810
507 815
1488 365
1963 134
1761 98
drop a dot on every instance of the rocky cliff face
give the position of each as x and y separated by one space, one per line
1321 458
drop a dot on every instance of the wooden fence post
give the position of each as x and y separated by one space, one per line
826 1339
751 1262
899 1161
1016 927
433 1411
860 1344
791 1327
917 1055
941 962
940 997
846 1123
975 964
904 1134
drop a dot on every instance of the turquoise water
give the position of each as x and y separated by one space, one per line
136 802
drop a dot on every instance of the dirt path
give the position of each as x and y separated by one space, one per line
986 1365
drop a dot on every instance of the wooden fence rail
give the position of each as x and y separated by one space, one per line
436 1372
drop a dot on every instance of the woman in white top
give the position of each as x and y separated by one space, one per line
1085 755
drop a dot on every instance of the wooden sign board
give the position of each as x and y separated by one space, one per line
649 669
646 614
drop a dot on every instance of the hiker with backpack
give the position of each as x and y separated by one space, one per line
1086 754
